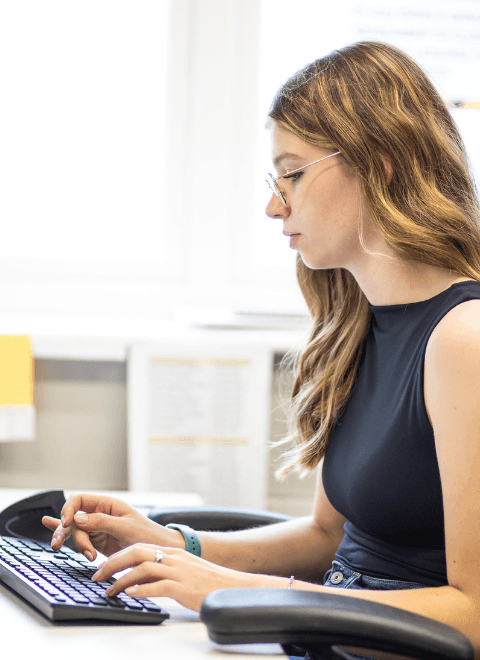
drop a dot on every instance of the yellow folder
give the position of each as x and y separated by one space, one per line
16 371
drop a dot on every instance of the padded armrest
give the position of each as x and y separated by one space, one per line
219 518
316 621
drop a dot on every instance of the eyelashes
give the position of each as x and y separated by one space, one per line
293 177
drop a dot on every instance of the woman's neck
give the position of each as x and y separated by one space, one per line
387 280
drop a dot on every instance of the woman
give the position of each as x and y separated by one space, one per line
374 193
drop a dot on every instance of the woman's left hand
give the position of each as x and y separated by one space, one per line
180 575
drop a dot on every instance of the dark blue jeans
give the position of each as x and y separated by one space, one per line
341 577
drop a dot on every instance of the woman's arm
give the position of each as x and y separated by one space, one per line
254 558
304 547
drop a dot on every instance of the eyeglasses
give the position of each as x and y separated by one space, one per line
275 188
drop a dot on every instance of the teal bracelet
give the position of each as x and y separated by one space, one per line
192 542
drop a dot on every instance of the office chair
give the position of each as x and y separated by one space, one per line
314 622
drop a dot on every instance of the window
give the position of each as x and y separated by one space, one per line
133 148
82 135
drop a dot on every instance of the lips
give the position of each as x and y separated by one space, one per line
292 236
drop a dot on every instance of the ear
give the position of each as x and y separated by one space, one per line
388 168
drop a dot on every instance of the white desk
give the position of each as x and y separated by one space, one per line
31 635
78 340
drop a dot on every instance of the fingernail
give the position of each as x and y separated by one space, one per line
99 570
56 538
132 590
63 521
81 518
88 555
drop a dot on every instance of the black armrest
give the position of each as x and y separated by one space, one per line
219 518
318 621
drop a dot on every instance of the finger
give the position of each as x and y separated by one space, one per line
84 544
127 558
69 509
91 503
60 535
87 525
78 502
165 587
170 589
96 522
143 573
51 523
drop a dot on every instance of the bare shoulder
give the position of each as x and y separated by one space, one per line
452 363
458 330
452 393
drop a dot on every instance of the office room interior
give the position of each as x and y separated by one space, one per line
133 224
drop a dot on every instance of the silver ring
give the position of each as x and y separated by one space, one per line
158 556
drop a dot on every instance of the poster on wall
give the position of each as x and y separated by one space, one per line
442 36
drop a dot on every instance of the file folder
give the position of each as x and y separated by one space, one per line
17 412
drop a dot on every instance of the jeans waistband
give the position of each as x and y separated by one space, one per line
343 577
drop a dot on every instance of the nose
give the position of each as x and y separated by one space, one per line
276 209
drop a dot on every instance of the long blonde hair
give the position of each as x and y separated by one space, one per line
376 106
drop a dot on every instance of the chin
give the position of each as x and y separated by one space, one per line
324 261
314 264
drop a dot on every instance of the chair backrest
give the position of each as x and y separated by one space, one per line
219 519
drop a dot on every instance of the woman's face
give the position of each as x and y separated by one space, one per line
325 204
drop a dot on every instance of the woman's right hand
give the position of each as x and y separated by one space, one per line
99 522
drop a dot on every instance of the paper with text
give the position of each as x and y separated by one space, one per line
201 419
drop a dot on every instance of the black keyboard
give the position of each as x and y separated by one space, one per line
58 583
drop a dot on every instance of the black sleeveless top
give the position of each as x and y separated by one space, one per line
380 468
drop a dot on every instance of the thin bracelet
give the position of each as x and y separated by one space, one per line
290 581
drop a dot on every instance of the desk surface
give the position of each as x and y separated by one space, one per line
77 341
182 636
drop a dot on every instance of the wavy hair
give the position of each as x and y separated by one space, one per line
375 105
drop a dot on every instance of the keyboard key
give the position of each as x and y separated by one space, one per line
148 605
133 604
97 600
78 598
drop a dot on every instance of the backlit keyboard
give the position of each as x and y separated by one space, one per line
58 583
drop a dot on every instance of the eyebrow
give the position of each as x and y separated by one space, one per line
283 156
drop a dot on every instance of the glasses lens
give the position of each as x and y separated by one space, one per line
271 184
274 187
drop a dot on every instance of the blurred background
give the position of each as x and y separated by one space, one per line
132 161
